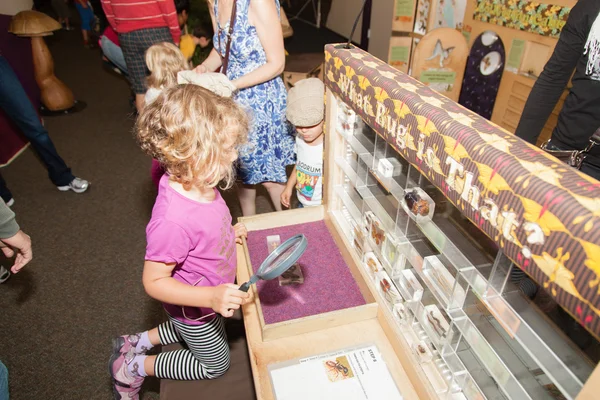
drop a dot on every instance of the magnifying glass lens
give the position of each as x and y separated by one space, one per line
279 260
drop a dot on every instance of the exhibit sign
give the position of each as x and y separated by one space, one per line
542 19
352 374
515 56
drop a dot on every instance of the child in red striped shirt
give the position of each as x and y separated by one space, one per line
140 24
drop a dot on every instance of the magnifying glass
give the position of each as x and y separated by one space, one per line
279 261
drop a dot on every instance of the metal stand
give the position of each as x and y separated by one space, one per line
316 10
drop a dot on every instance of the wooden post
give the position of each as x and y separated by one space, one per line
55 95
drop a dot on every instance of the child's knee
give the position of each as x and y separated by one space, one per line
218 371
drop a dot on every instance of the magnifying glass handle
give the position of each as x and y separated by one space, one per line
245 287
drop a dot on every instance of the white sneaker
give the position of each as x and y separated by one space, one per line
77 185
4 274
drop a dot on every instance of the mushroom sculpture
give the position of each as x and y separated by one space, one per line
55 95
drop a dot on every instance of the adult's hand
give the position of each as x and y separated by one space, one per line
19 244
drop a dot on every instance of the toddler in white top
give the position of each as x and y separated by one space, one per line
305 110
164 60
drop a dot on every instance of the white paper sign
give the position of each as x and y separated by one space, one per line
354 374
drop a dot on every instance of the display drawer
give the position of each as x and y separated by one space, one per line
333 293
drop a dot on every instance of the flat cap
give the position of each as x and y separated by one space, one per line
305 104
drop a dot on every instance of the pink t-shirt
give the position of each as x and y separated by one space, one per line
198 237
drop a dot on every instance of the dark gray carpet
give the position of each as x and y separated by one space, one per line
84 285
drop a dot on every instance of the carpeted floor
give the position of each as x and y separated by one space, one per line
84 285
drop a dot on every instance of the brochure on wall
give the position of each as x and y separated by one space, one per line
351 374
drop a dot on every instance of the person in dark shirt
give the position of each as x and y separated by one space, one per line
578 49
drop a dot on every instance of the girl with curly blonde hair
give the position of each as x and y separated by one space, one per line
190 257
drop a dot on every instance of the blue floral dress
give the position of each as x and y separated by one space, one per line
271 139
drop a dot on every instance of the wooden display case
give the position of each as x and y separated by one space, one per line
481 207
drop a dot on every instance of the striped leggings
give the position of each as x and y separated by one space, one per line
206 355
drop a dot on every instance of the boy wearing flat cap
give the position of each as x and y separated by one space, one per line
305 110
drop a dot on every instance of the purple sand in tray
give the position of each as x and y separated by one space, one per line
328 283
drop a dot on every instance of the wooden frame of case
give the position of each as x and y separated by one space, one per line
314 322
382 85
314 335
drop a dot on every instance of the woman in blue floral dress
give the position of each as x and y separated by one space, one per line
256 60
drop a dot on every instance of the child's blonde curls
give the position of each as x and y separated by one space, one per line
164 60
193 133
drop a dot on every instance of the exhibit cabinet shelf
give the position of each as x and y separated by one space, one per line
444 212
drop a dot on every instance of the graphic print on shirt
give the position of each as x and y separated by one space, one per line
307 177
225 249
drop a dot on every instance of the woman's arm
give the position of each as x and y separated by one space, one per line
159 285
263 15
211 64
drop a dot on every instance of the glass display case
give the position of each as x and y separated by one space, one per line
450 290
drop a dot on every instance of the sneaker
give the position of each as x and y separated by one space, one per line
126 385
4 274
77 185
11 202
126 343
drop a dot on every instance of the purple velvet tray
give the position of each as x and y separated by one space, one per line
328 283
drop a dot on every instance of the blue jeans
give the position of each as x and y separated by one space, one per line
16 104
3 382
113 53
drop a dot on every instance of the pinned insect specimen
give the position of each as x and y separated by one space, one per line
416 204
389 292
372 265
441 281
385 285
436 324
292 276
273 242
421 349
377 233
400 311
412 284
486 62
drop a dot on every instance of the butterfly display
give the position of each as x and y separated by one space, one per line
441 52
